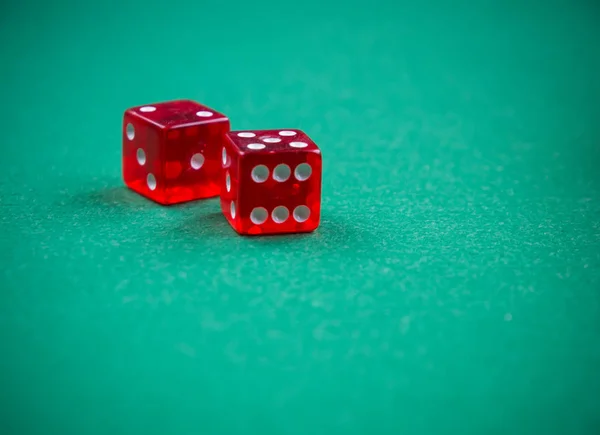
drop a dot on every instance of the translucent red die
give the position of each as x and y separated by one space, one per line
171 150
271 182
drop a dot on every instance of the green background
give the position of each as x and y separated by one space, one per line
452 287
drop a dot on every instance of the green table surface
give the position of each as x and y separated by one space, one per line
453 286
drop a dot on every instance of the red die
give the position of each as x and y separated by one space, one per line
171 150
271 182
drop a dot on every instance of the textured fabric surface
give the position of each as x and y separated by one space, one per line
452 288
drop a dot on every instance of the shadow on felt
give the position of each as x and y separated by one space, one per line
208 223
113 197
204 223
121 197
118 202
334 234
203 220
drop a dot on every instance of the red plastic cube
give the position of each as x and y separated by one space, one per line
171 150
271 182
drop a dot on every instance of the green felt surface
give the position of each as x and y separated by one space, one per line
452 288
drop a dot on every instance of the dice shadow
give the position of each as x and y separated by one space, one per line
201 222
206 222
334 235
117 205
115 196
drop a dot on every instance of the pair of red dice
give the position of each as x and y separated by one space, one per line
269 180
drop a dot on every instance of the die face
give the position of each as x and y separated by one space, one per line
177 114
192 161
270 141
170 153
289 190
142 159
230 185
277 188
